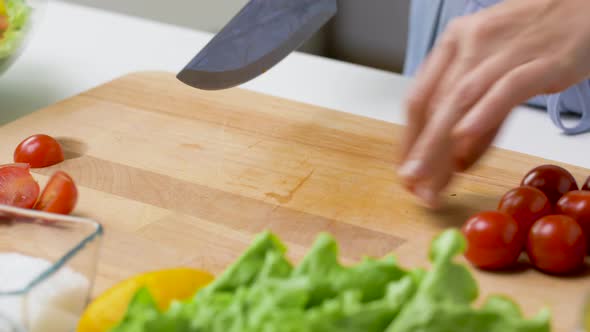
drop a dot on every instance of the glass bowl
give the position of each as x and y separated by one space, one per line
47 269
14 41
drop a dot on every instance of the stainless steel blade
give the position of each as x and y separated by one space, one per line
258 37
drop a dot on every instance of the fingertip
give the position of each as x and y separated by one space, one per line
461 165
465 157
461 152
470 147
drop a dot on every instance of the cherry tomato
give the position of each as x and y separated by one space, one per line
17 186
552 180
576 204
526 205
3 24
39 151
586 185
59 196
557 245
493 240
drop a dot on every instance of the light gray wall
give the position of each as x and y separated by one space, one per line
207 15
371 32
368 32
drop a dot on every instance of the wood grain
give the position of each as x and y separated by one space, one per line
185 177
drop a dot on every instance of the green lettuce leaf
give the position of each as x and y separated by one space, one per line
253 264
142 309
443 302
328 277
263 292
18 16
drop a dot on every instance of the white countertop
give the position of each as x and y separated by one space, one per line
77 48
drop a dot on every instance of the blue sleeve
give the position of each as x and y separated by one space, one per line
421 32
576 99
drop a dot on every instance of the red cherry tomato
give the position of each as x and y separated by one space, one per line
526 205
3 24
576 204
59 196
552 180
39 151
493 240
17 186
557 245
586 185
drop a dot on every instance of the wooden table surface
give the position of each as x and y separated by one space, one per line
182 177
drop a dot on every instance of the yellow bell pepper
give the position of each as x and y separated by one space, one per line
2 8
165 286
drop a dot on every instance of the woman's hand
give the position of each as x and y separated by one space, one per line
481 68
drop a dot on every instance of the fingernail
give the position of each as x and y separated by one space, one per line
411 169
427 195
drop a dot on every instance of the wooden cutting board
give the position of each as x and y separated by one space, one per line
180 176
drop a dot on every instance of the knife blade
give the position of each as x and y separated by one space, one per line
262 34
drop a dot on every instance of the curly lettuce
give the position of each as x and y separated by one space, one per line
263 292
18 14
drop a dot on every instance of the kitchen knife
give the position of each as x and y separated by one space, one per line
258 37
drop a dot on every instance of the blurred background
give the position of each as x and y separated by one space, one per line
367 32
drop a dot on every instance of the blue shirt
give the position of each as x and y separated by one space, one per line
428 19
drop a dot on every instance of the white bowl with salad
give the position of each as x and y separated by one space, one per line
17 18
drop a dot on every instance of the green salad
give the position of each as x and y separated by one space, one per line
14 15
263 292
